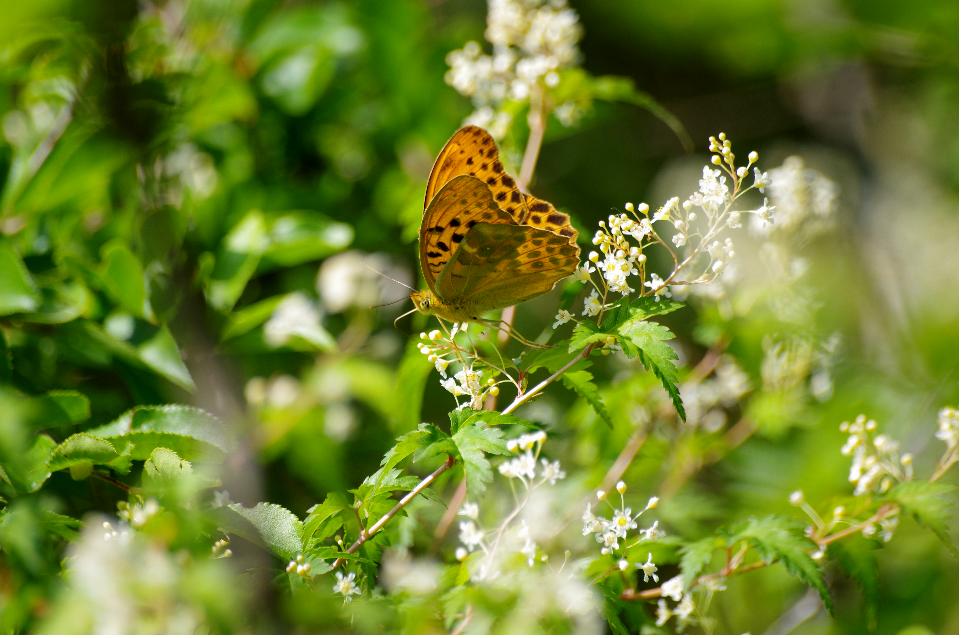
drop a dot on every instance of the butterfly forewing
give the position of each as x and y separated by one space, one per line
472 151
460 204
542 214
499 265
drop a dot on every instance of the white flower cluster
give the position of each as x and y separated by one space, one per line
695 227
527 450
346 587
532 40
442 351
489 549
611 532
949 428
806 200
877 463
706 399
138 513
674 589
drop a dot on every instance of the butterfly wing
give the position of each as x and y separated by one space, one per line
472 151
499 265
460 204
542 214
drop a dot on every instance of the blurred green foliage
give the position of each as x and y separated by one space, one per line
173 172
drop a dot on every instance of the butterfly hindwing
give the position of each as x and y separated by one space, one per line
460 204
498 265
472 151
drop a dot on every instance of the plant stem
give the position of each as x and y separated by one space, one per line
384 520
527 396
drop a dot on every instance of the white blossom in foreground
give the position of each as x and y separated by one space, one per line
949 427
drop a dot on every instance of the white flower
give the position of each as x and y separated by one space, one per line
592 524
552 471
562 318
649 569
345 586
664 614
657 283
470 535
651 533
622 522
761 180
673 589
592 305
948 427
684 610
608 540
469 510
796 498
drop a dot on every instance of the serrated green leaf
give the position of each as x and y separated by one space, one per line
782 539
649 342
323 520
163 464
82 449
179 420
18 292
276 526
472 442
584 335
930 504
581 382
856 556
696 556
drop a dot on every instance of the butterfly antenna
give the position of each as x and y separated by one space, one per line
390 303
400 283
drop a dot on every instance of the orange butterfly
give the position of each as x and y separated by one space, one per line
483 243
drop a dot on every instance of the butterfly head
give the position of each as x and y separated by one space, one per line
425 301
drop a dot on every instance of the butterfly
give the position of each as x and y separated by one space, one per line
484 244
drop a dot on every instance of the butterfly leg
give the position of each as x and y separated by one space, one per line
501 324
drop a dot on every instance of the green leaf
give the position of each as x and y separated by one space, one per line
412 376
782 539
236 261
163 465
18 293
82 449
614 88
275 526
190 432
323 520
249 317
581 382
32 468
59 408
584 335
856 556
472 442
696 556
649 342
930 504
123 277
160 352
301 236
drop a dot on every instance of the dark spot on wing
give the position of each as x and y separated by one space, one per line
492 181
471 223
436 229
536 219
497 167
556 218
470 161
443 246
534 253
484 166
515 197
537 264
454 223
503 195
457 237
537 241
507 181
540 207
567 232
491 152
464 202
434 254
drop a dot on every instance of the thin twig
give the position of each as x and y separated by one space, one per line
527 396
366 534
